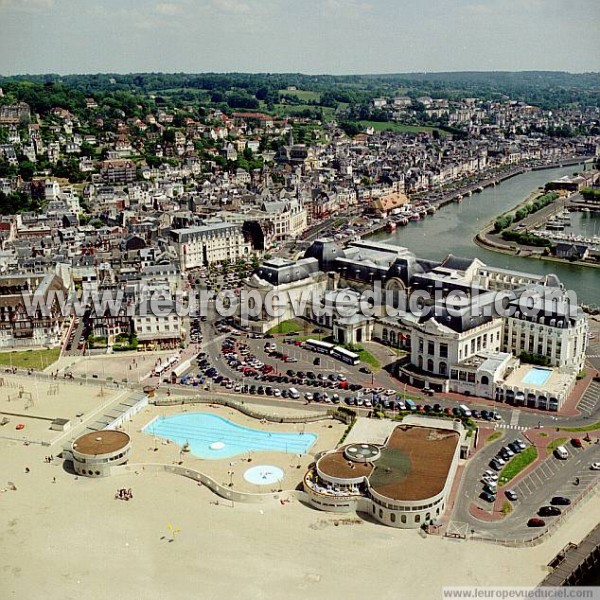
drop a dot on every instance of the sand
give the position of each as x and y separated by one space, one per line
72 540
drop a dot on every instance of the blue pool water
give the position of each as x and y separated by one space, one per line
537 376
211 436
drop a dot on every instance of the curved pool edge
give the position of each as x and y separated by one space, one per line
206 442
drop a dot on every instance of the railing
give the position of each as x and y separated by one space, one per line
332 494
221 490
244 409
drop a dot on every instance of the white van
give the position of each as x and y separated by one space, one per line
294 393
466 411
561 452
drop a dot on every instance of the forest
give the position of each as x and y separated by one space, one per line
547 89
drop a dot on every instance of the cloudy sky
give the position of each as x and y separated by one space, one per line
310 36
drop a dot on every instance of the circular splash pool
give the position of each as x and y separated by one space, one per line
264 475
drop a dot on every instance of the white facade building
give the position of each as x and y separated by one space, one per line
207 244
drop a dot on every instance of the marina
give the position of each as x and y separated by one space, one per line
452 228
580 227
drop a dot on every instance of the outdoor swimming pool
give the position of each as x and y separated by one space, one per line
212 436
537 376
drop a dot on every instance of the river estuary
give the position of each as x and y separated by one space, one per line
453 227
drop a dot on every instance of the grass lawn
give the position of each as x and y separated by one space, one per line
399 127
368 358
517 464
495 436
591 427
554 444
304 95
34 359
286 327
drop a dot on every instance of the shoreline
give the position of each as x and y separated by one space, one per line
482 241
486 180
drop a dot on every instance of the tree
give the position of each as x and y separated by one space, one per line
26 169
169 136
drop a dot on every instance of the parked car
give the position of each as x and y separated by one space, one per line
595 466
511 495
535 522
515 448
549 511
490 475
560 500
365 370
576 443
487 497
490 487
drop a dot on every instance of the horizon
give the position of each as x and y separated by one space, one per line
304 74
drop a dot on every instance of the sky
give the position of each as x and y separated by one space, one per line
308 36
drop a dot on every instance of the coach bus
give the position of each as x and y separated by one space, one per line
346 356
318 346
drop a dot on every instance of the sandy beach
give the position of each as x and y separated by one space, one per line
64 537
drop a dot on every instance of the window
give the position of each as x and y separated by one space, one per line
431 348
430 364
393 517
417 518
403 518
380 513
420 344
444 350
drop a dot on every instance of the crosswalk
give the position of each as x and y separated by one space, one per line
512 427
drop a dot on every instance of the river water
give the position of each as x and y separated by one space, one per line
452 229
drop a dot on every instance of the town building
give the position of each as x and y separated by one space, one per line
207 244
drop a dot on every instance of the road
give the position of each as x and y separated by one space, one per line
553 477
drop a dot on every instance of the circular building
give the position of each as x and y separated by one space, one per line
96 452
403 482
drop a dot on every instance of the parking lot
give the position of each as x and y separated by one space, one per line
590 399
551 478
577 465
